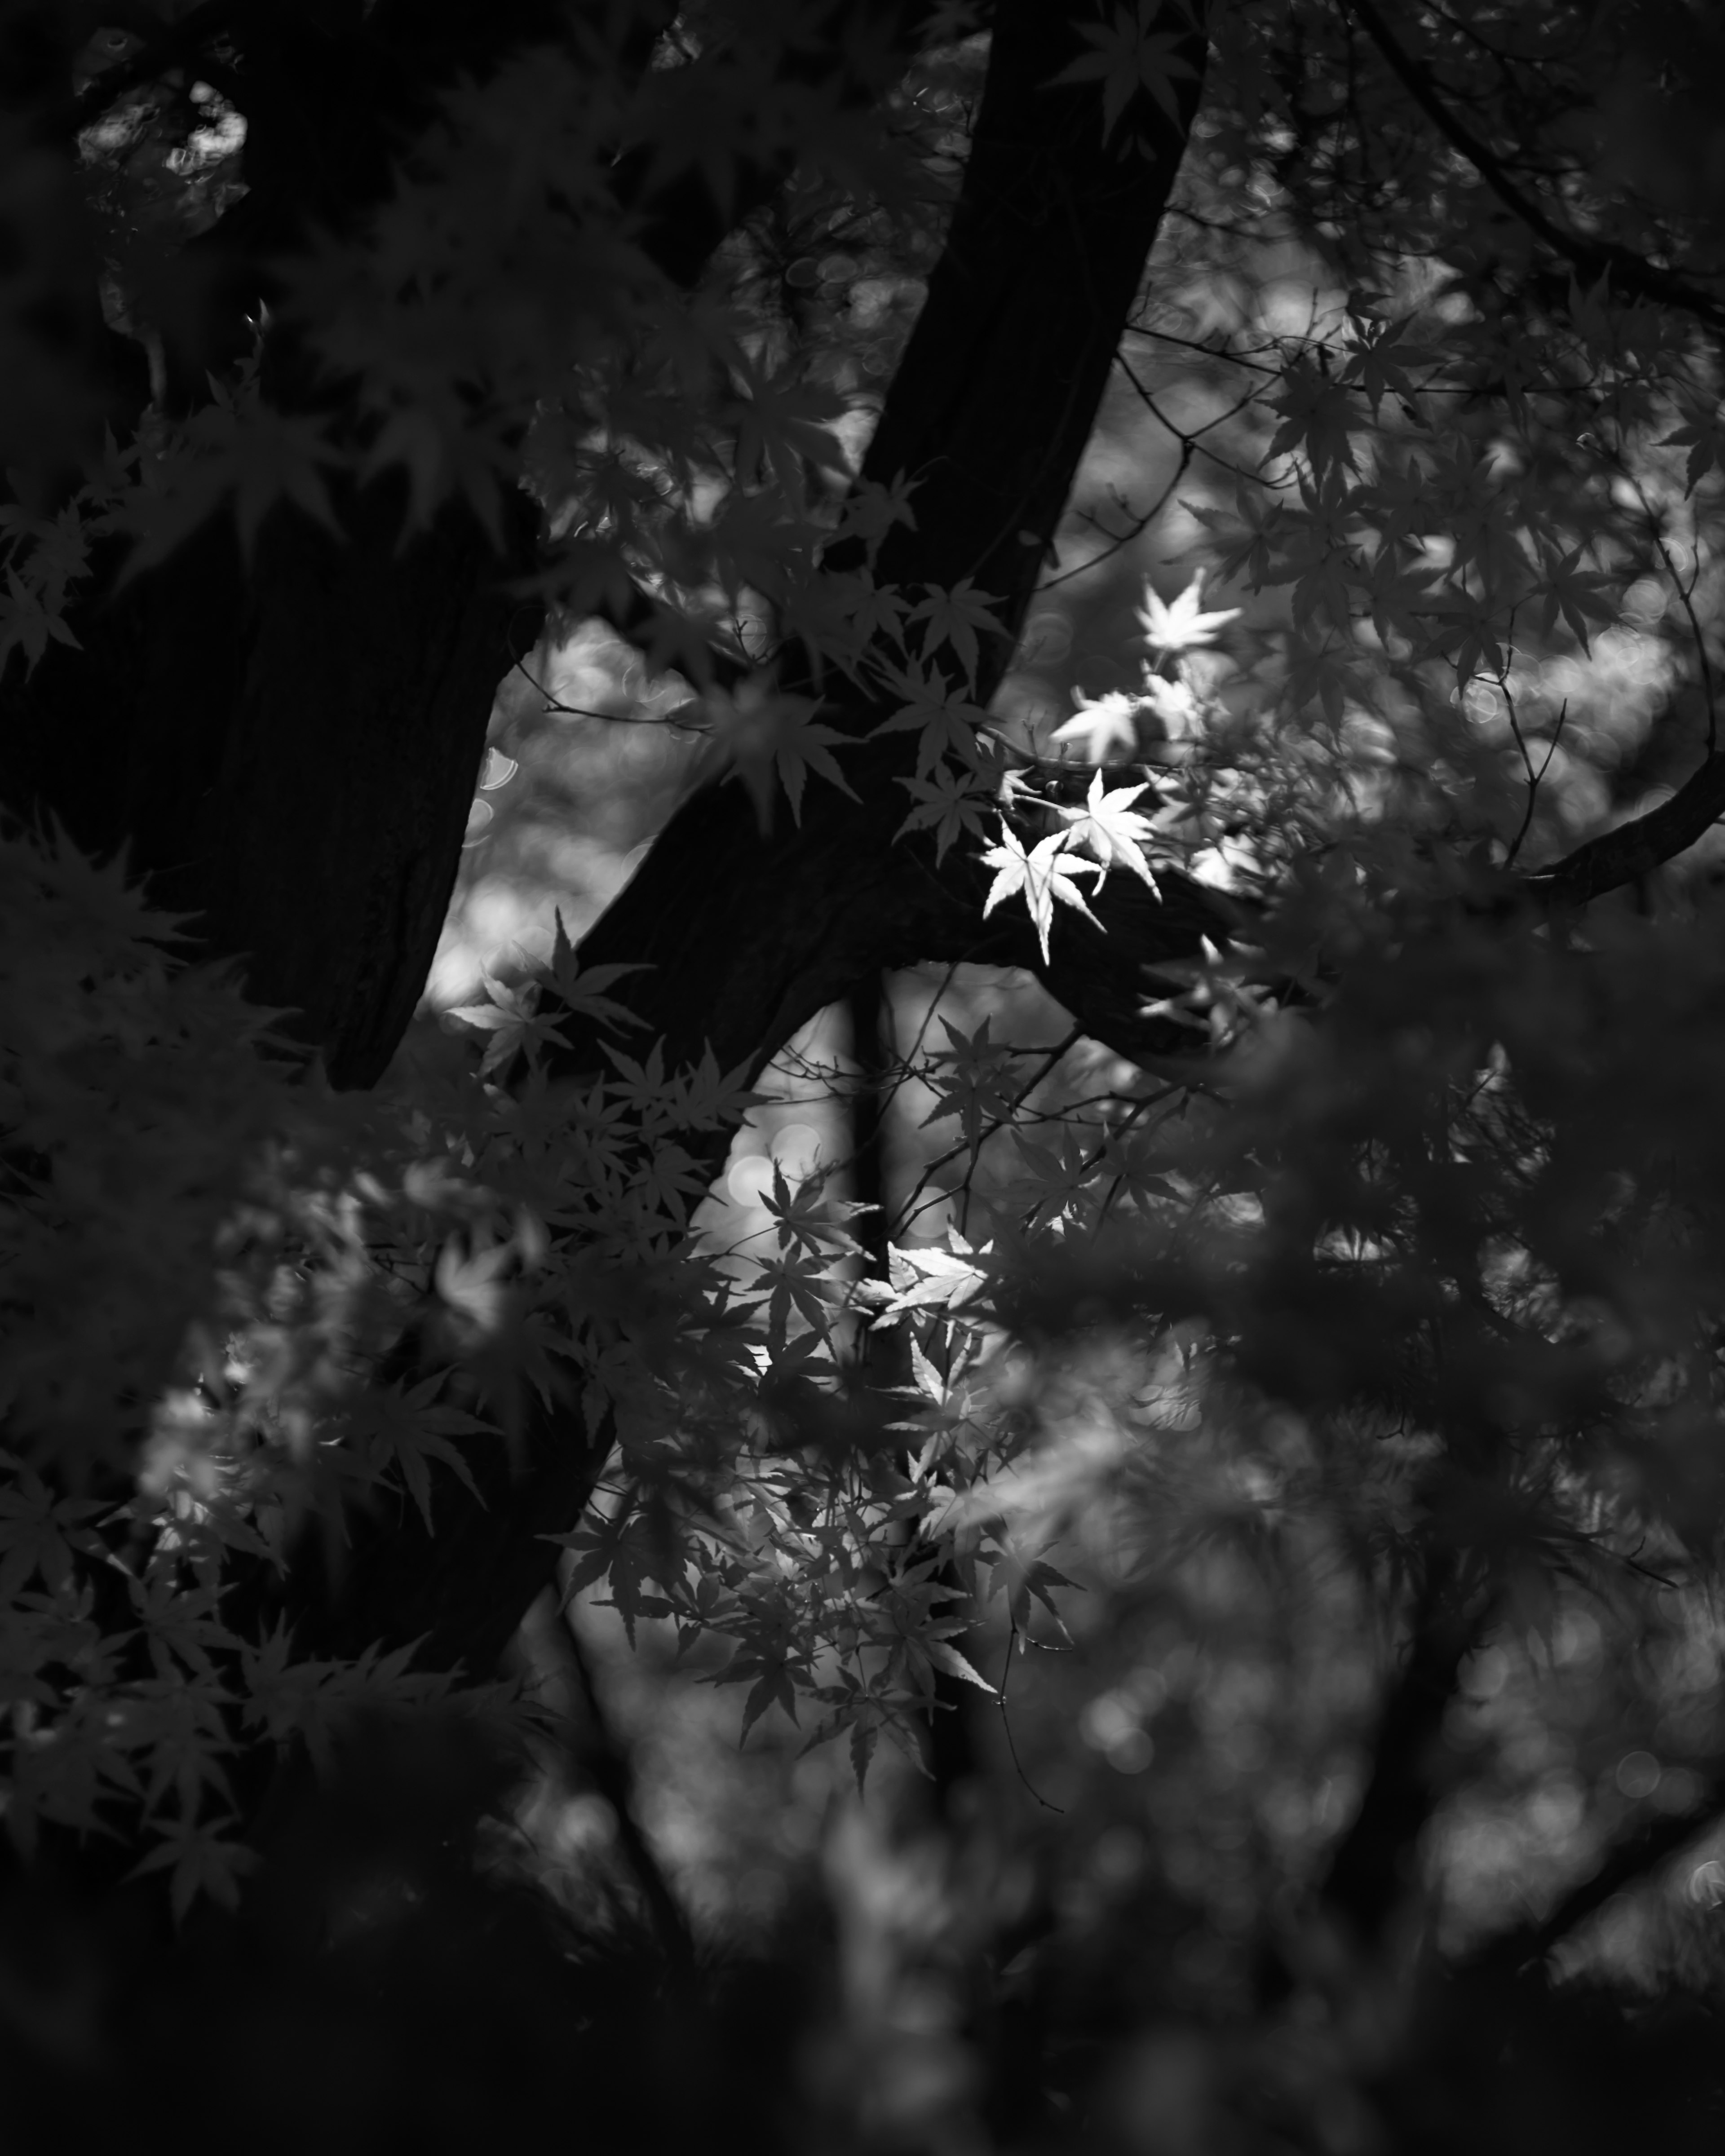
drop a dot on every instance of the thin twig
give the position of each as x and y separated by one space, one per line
1535 779
1050 1057
1683 591
1006 1725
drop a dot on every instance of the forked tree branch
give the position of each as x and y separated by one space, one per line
744 935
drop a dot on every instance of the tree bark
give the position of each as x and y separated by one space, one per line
288 751
743 938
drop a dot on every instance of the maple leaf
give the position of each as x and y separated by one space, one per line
1317 417
946 1656
1704 438
1110 720
952 802
1129 57
876 506
955 617
408 1429
1045 875
1576 593
946 720
1023 1579
972 1080
861 609
772 1688
202 1863
1112 830
767 732
38 1531
514 1020
584 994
801 1215
928 1278
1174 703
1380 358
780 418
671 1179
1179 626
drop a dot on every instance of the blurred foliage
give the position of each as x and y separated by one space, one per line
1286 1475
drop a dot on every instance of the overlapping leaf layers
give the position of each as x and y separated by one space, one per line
1411 1231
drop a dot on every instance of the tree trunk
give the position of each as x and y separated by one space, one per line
743 938
290 750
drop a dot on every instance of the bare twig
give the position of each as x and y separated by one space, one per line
1006 1725
1535 779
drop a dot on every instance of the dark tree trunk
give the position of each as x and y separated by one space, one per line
288 748
743 939
291 750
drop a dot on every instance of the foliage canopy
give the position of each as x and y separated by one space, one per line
1318 1342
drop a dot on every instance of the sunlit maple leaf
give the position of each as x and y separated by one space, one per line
1179 625
1112 830
1111 722
1045 874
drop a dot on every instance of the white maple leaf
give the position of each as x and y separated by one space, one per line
1173 702
1179 626
1110 719
1043 875
1110 829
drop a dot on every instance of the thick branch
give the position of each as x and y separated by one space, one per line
291 755
1371 1869
990 411
1624 1865
1636 849
744 937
